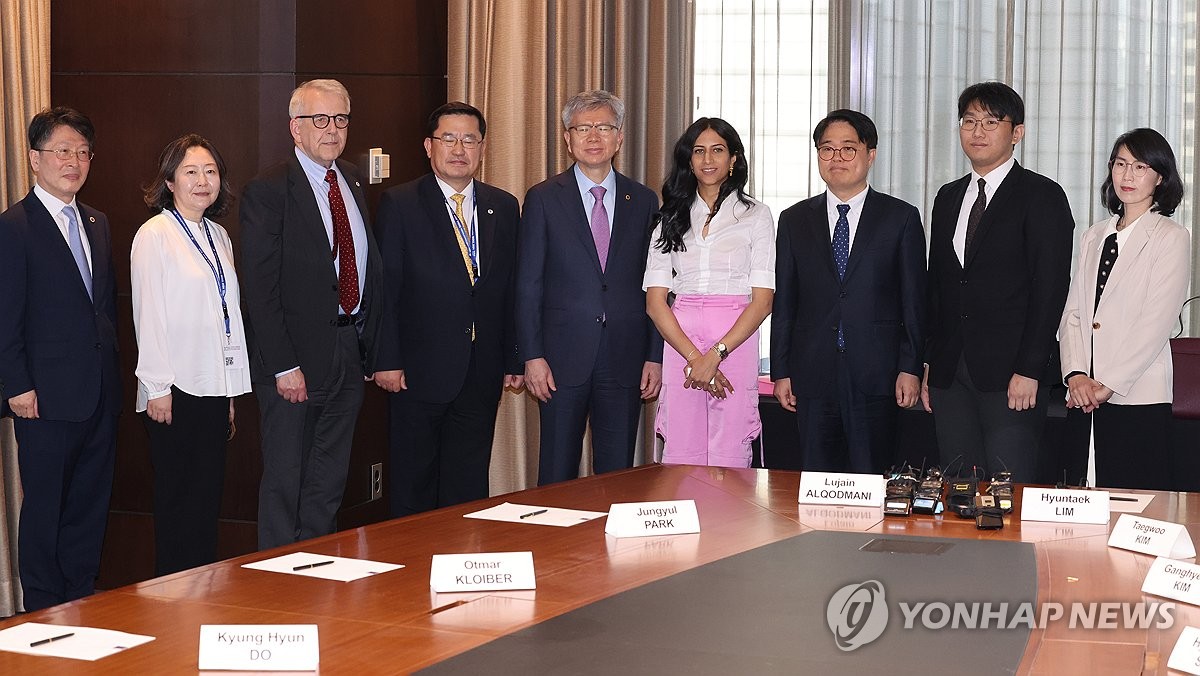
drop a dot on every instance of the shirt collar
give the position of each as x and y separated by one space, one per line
855 202
996 176
315 172
585 184
52 203
448 190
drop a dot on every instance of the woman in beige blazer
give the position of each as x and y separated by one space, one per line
1114 337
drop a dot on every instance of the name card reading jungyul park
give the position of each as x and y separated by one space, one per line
1152 536
259 647
1064 505
835 488
482 572
639 519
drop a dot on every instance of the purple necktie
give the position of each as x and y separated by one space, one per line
600 225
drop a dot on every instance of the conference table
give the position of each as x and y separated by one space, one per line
393 623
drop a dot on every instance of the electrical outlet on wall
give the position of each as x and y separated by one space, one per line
377 481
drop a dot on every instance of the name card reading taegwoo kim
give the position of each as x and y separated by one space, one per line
259 647
1064 505
1151 536
1185 656
1174 580
639 519
834 488
482 572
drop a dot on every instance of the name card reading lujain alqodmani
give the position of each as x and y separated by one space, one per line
1064 505
836 488
1152 536
259 647
639 519
492 571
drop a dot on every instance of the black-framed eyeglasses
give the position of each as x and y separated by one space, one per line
64 154
988 123
321 120
847 154
450 140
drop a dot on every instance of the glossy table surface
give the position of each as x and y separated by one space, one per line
393 623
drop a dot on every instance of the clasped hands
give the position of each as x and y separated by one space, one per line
1086 393
703 373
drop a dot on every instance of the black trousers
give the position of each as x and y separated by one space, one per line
189 473
846 430
440 452
1132 445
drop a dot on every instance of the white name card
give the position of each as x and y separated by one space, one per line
1186 655
259 647
639 519
1064 505
482 572
1151 536
1174 580
833 488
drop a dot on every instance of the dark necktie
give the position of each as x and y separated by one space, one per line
75 242
975 216
841 254
343 247
1108 257
599 225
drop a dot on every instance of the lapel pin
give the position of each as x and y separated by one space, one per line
490 212
357 184
627 197
91 219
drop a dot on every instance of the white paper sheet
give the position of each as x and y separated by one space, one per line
541 515
341 569
86 643
1133 503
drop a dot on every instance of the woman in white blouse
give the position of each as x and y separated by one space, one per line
714 248
191 347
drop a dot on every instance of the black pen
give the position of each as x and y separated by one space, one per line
1117 497
312 565
52 639
540 511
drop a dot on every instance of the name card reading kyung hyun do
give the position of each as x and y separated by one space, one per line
834 488
482 572
1064 505
639 519
1151 536
259 647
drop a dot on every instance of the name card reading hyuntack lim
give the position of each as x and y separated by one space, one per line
1151 536
639 519
1064 505
259 647
482 572
834 488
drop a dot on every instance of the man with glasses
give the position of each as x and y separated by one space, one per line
589 347
449 249
849 312
999 266
58 362
311 280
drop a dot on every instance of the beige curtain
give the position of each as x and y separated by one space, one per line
25 71
518 62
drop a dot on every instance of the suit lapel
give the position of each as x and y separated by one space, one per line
309 223
100 257
577 219
997 207
817 224
942 234
624 226
486 214
46 227
1127 255
442 234
867 230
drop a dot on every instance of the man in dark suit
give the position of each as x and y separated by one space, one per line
449 249
311 279
999 265
58 362
589 346
846 337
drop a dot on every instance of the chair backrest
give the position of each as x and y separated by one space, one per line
1185 356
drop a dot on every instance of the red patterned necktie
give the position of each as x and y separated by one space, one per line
343 247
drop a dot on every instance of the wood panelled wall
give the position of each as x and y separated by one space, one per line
148 71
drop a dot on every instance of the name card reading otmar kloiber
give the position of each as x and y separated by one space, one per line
639 519
482 572
836 488
1064 505
259 647
1151 536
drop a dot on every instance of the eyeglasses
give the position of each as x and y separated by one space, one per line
450 140
321 120
988 123
846 154
1139 168
65 154
601 129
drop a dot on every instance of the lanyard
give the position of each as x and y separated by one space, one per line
467 233
217 270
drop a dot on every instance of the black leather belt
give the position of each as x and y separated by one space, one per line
347 320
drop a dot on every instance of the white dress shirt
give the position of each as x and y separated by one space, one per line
358 228
992 181
852 217
177 314
737 256
470 211
55 207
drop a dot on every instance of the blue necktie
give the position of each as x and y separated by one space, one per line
841 254
76 244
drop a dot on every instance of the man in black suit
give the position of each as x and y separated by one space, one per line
449 249
58 362
846 337
999 266
589 346
311 282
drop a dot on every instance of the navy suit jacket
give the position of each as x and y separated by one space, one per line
53 338
1000 311
433 302
563 298
880 303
